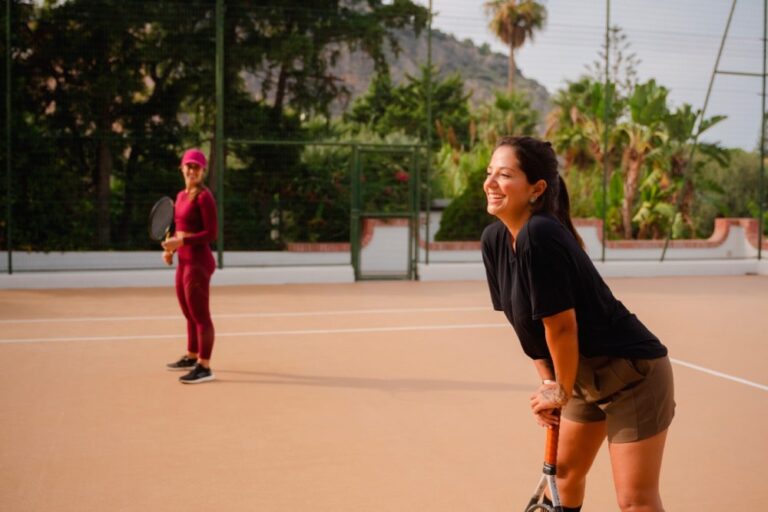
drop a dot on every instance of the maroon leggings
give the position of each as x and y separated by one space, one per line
192 289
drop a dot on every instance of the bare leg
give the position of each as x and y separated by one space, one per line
636 468
578 446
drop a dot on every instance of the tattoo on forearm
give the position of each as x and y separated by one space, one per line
555 394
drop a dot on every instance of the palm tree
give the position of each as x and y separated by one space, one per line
680 170
576 127
576 124
507 114
645 136
514 21
641 142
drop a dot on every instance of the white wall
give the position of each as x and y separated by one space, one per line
385 252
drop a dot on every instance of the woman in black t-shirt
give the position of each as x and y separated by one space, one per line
597 362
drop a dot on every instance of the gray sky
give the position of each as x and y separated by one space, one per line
675 40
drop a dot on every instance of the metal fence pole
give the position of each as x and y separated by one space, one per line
428 166
413 216
606 120
354 228
701 115
219 136
8 181
761 187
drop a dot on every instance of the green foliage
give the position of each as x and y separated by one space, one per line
647 104
576 125
319 196
388 108
459 172
509 113
647 147
108 93
585 191
300 44
655 215
104 98
454 168
734 190
315 197
613 201
466 216
256 175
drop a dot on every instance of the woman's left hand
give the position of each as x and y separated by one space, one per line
173 243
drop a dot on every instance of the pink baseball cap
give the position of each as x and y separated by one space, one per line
194 156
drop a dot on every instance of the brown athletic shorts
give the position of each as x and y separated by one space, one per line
634 396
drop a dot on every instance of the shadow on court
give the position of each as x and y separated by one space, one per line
417 385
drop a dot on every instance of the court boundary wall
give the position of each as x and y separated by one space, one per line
731 250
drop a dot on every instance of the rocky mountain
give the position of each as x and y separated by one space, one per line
482 70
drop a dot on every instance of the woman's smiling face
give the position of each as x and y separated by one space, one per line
506 185
193 174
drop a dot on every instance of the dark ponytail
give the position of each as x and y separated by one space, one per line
538 161
563 211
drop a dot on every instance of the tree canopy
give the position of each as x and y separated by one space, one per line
107 93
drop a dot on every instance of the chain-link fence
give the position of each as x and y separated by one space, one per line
102 97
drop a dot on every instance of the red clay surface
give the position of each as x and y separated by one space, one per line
366 397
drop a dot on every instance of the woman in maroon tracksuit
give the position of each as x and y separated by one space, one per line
196 228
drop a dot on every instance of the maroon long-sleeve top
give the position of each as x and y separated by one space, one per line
197 219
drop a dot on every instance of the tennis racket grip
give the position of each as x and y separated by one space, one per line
550 447
168 261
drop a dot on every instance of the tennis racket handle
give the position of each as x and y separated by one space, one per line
550 448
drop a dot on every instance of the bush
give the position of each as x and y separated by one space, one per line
466 216
737 186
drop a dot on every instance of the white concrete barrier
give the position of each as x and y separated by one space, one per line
731 250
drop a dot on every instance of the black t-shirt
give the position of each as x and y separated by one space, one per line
549 273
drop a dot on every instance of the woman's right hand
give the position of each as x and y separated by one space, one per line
546 400
168 257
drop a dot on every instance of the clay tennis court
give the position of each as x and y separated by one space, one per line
373 396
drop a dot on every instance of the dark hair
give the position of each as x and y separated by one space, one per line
538 161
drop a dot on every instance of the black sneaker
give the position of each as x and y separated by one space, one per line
198 374
185 363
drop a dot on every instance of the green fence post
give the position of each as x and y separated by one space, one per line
605 122
413 219
8 181
761 187
429 135
354 218
219 136
703 111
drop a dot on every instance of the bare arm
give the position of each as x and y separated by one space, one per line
210 226
561 333
562 337
544 369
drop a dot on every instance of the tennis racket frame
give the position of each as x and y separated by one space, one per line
160 203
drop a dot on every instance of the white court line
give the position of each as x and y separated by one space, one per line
242 315
259 333
351 330
720 374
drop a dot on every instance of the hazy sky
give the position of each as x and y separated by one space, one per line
676 41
